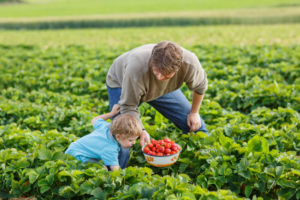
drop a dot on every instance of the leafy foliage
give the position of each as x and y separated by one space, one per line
49 96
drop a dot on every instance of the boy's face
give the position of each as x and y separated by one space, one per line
126 142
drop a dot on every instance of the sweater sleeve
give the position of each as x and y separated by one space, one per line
131 94
196 78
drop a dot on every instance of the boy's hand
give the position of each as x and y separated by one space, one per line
116 109
95 119
145 138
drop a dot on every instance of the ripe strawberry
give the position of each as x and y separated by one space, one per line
174 148
173 152
161 149
146 149
167 151
168 145
154 141
167 140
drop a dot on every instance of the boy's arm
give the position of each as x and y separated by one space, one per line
114 167
115 110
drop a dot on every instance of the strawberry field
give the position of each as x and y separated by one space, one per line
48 97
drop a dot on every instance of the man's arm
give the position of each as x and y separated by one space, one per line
193 120
115 110
132 90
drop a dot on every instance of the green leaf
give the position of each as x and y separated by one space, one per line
171 197
212 196
98 193
23 163
169 182
64 176
261 186
90 172
245 174
86 187
286 193
228 130
258 144
44 186
182 167
67 192
286 183
44 154
296 172
188 196
183 178
278 171
199 190
248 190
244 164
50 178
58 155
32 176
298 195
202 180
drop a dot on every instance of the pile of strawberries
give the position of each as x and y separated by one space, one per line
163 147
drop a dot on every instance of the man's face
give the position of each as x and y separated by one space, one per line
160 76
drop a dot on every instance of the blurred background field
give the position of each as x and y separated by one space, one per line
46 8
126 38
58 14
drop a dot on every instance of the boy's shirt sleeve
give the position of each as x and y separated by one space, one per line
100 123
110 158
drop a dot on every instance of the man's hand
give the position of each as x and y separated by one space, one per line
145 138
193 121
115 110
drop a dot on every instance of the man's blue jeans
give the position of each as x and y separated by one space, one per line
174 106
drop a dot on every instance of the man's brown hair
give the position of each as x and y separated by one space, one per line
167 57
126 126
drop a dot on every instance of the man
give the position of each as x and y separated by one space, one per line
154 73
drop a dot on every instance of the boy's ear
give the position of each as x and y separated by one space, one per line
118 136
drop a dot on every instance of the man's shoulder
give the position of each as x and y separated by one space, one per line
191 61
145 47
189 57
141 52
138 59
135 55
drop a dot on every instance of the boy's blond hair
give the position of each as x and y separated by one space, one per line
167 57
126 126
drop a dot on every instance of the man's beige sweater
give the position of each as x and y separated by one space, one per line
132 73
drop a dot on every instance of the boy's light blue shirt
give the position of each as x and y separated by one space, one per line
100 144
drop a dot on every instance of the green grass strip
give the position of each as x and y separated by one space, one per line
119 23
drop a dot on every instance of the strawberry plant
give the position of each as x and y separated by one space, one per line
251 108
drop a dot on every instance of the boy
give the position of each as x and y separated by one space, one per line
105 141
